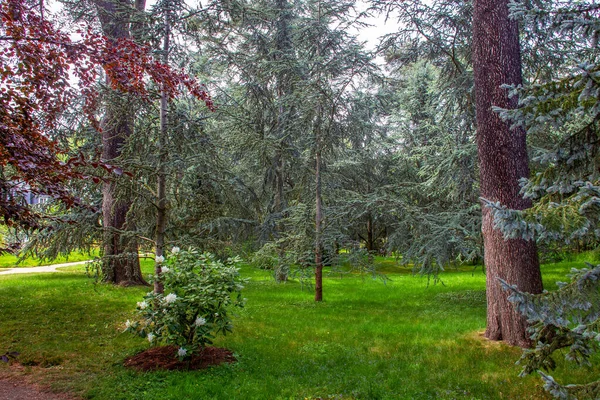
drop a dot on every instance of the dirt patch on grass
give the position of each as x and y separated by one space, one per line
18 388
163 358
479 336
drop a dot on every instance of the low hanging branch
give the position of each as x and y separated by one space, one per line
43 73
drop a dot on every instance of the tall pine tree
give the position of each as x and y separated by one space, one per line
503 161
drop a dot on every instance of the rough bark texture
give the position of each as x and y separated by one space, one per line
121 264
502 161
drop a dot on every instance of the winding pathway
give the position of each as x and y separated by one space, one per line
41 269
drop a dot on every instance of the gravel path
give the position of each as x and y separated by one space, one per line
37 270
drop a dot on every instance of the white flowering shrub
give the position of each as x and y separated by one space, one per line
199 294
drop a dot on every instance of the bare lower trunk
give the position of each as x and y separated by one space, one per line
120 263
281 273
370 239
161 209
502 161
318 227
516 262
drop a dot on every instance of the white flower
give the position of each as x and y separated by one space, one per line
150 337
175 250
170 298
128 324
165 269
159 259
200 321
181 352
142 305
216 314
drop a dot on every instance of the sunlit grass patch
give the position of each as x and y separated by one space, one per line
405 339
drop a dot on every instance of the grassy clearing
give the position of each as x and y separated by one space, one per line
401 340
12 261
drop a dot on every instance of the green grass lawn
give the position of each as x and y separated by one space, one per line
368 340
12 261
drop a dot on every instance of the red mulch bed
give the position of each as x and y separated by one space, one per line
165 358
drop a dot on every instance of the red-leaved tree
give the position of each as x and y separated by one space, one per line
42 73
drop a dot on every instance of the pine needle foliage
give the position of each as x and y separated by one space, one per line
435 190
567 319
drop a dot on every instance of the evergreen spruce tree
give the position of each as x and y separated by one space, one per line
435 193
434 196
360 175
290 78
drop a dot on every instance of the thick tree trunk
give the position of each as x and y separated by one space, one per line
120 264
502 161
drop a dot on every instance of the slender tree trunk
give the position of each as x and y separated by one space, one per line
120 264
281 274
161 192
370 240
318 199
283 46
502 161
318 222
